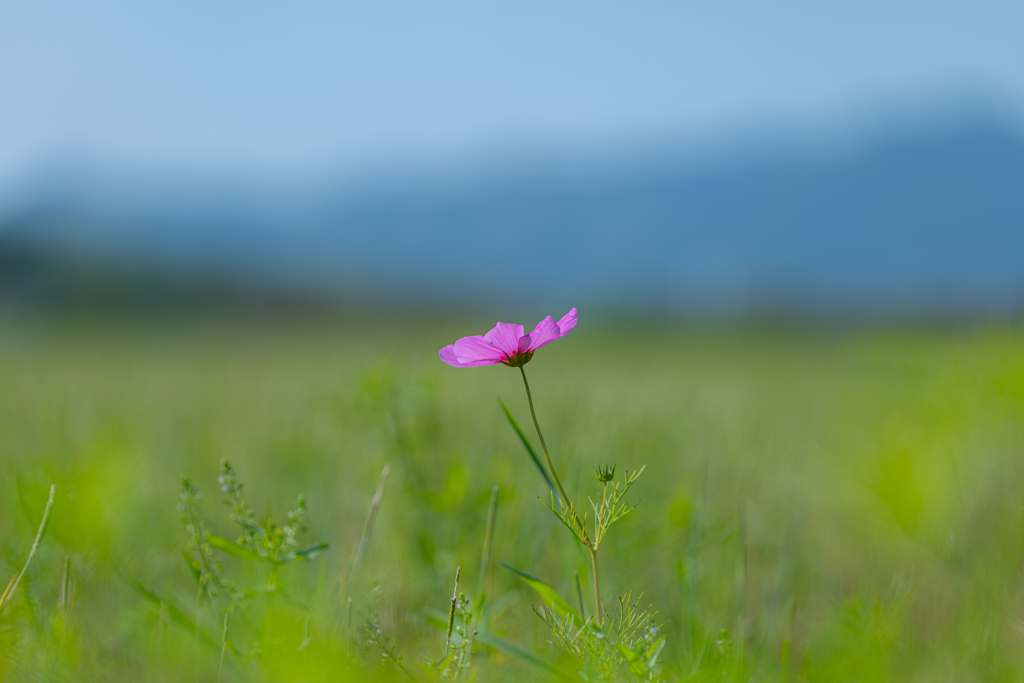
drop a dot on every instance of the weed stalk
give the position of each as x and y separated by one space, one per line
451 611
13 585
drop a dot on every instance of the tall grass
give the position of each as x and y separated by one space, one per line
815 507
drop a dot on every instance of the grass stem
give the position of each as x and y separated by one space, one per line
485 557
64 602
13 585
451 611
363 543
368 527
223 646
348 626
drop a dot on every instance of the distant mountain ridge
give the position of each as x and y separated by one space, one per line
907 222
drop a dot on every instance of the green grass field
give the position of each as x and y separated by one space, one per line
816 506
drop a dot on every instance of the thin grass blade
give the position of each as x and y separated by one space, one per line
508 648
548 594
526 445
13 586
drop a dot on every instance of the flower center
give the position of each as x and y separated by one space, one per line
518 359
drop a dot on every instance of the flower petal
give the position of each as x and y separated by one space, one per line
505 336
548 331
567 322
474 351
447 354
545 333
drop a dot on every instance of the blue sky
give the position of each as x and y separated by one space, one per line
281 88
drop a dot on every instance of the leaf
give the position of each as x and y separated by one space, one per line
627 652
254 529
509 648
566 514
478 608
435 668
637 666
177 615
501 604
548 594
232 548
308 553
653 652
526 444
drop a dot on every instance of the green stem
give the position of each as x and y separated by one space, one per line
451 612
199 602
223 646
599 533
348 628
13 585
543 445
367 528
554 475
485 557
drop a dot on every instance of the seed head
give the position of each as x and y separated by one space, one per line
605 473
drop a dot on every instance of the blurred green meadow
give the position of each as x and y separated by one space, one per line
817 505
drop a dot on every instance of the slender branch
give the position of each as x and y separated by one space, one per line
597 590
13 586
554 475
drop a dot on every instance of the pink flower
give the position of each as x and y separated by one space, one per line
506 343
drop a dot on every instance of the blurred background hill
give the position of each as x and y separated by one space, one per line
920 219
860 161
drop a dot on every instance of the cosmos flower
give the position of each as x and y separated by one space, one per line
506 343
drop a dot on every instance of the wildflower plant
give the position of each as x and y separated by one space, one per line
457 663
272 543
611 509
199 553
264 542
631 636
374 649
627 639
